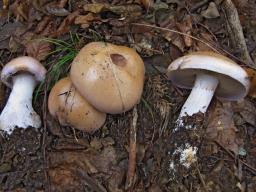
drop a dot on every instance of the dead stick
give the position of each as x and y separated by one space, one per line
250 168
132 151
208 44
236 31
45 160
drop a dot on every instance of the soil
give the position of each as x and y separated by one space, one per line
61 158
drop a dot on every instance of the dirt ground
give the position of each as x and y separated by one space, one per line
58 158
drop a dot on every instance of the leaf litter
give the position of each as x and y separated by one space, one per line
70 160
221 127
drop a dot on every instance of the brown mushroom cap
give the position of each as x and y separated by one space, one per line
252 76
24 64
70 108
110 77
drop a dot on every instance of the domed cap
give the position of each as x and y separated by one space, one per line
233 79
110 77
24 64
71 109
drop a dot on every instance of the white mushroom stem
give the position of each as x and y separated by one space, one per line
200 96
18 111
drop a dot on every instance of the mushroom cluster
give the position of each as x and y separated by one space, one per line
104 78
207 73
22 75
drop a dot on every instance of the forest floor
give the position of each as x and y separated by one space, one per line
59 158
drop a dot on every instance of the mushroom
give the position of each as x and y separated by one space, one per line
71 109
110 77
207 73
252 76
22 75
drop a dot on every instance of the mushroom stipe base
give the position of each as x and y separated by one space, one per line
18 110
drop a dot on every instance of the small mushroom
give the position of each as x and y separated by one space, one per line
110 77
22 75
207 73
71 109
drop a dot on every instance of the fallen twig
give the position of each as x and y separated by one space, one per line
132 151
250 168
236 32
48 188
195 38
178 32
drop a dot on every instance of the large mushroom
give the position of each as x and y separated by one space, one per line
22 75
207 73
110 77
71 109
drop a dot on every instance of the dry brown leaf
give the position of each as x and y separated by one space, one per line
20 10
131 10
91 160
186 27
65 25
42 24
70 169
39 4
211 12
13 45
19 39
61 12
95 7
31 11
146 3
85 20
57 10
6 31
252 75
63 177
175 38
49 30
207 38
221 126
38 49
247 111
